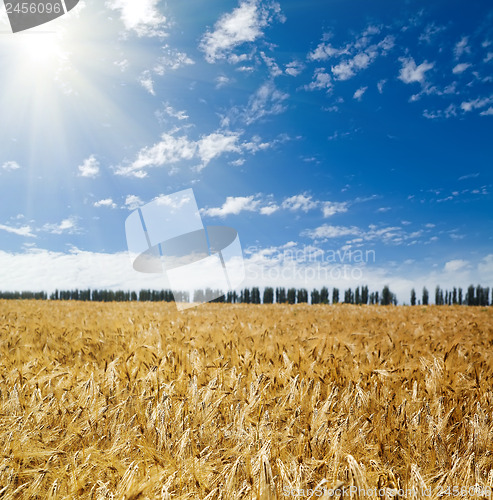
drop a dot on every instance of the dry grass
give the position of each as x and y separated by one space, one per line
234 401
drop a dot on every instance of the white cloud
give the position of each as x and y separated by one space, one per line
132 202
244 24
141 17
20 231
476 103
274 68
489 57
321 80
485 268
213 145
347 69
469 176
359 93
294 68
168 151
108 202
325 51
145 79
68 225
299 202
448 112
222 81
269 209
233 206
89 168
78 269
487 112
267 100
393 235
123 65
356 56
380 85
462 47
430 31
173 60
327 231
460 68
10 165
330 208
455 265
172 149
173 113
277 266
411 73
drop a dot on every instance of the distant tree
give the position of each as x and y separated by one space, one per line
245 296
460 296
268 297
426 297
348 296
302 296
219 296
291 296
470 298
364 295
315 296
357 296
281 295
324 295
413 297
255 295
335 296
387 297
437 296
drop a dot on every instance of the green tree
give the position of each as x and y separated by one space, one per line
426 297
315 296
268 295
387 297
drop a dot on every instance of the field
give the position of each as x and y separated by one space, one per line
137 400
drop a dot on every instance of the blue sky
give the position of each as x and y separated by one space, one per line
320 126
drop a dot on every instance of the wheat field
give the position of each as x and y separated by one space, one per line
137 400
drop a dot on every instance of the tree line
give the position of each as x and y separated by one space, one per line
473 296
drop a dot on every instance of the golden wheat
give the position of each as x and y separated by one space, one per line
135 400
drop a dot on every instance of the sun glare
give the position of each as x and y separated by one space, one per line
41 51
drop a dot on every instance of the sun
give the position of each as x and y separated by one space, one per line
41 51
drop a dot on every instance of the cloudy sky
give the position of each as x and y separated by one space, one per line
355 131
